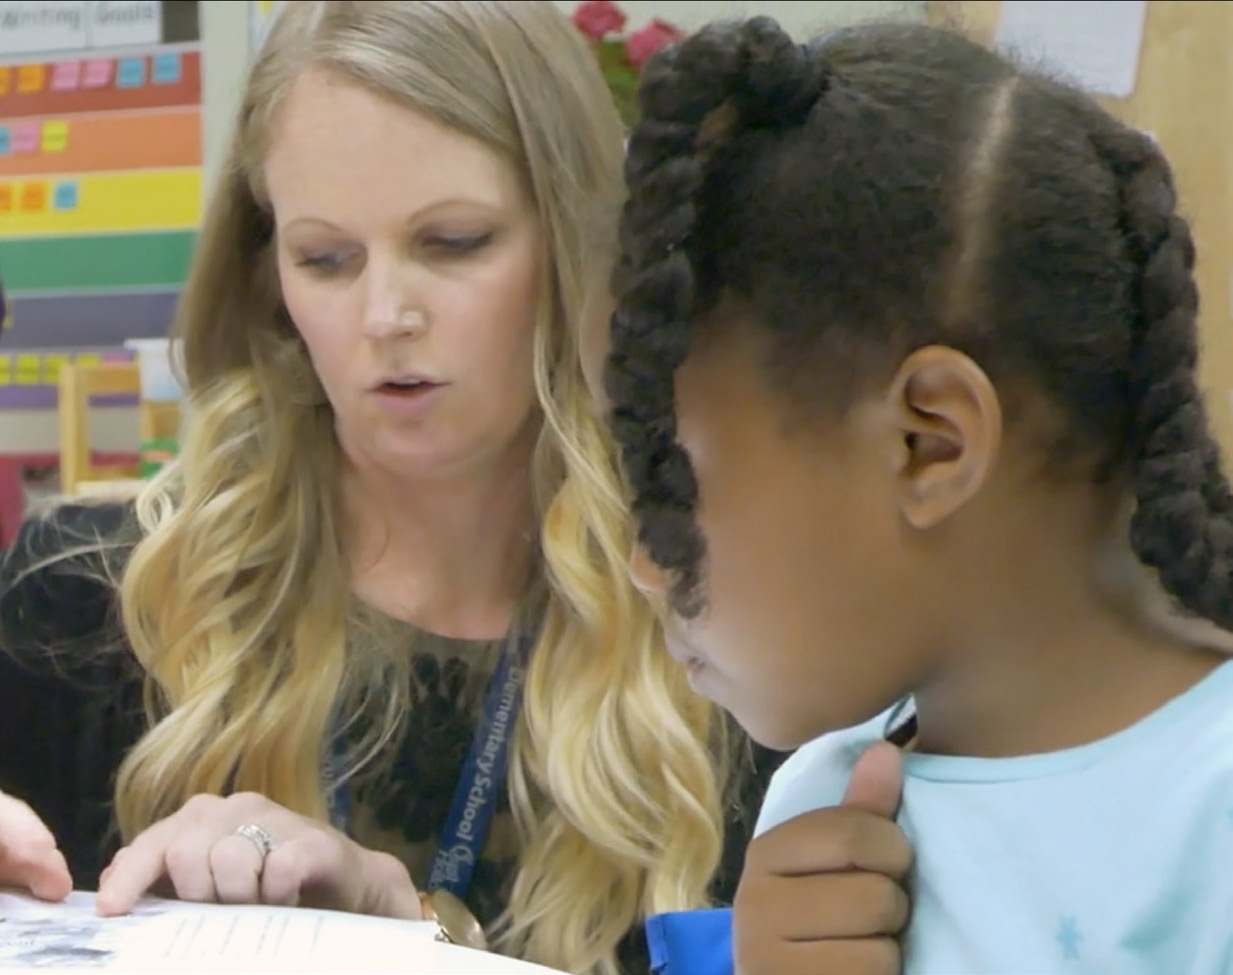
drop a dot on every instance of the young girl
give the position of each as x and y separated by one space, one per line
903 372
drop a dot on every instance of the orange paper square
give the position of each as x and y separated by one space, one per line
34 197
31 78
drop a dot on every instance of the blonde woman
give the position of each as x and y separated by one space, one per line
393 556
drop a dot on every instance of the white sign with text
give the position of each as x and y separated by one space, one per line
45 26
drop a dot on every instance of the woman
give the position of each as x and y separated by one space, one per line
393 488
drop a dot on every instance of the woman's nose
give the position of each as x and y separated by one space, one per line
390 307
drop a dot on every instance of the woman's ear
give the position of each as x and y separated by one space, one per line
950 420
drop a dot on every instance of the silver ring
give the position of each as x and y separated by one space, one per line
261 839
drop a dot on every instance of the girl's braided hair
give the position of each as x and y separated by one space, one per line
893 186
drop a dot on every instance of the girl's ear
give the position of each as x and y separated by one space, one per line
950 420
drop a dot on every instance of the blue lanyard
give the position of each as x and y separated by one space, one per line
483 774
482 777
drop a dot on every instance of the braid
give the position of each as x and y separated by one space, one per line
1183 523
692 97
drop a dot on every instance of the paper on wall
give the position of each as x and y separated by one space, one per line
1094 44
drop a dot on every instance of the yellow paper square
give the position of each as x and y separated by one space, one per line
29 370
52 364
55 136
6 80
31 78
88 359
6 370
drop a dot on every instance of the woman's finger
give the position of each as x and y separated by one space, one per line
44 873
132 872
29 857
236 866
141 865
179 848
283 875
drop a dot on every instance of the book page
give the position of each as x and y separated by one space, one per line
174 936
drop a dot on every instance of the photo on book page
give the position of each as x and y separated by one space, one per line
165 935
37 936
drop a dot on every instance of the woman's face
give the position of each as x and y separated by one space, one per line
409 258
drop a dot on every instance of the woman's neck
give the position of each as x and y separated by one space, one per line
452 555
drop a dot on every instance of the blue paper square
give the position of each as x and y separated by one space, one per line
166 69
65 196
5 145
131 73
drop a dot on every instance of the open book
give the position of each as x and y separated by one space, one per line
177 937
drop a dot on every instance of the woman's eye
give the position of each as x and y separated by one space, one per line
322 263
460 245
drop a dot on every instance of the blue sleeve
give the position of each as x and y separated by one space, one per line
691 942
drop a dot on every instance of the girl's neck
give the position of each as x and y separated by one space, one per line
1041 656
1056 693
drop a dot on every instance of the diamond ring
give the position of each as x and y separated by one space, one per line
256 835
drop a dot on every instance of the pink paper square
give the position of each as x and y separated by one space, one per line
97 74
66 76
25 136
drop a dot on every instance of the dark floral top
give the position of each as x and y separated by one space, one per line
70 708
401 806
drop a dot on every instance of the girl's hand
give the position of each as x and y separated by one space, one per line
824 893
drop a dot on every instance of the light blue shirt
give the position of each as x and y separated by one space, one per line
1114 858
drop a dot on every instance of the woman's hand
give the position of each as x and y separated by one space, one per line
201 854
824 893
29 858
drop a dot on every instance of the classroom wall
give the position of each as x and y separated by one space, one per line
801 18
225 47
1184 97
225 37
100 166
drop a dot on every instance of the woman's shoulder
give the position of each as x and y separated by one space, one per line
78 521
57 579
69 540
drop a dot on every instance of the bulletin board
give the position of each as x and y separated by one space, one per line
100 179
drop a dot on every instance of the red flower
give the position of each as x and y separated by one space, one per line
650 40
598 18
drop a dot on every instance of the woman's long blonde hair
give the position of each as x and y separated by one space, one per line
235 600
